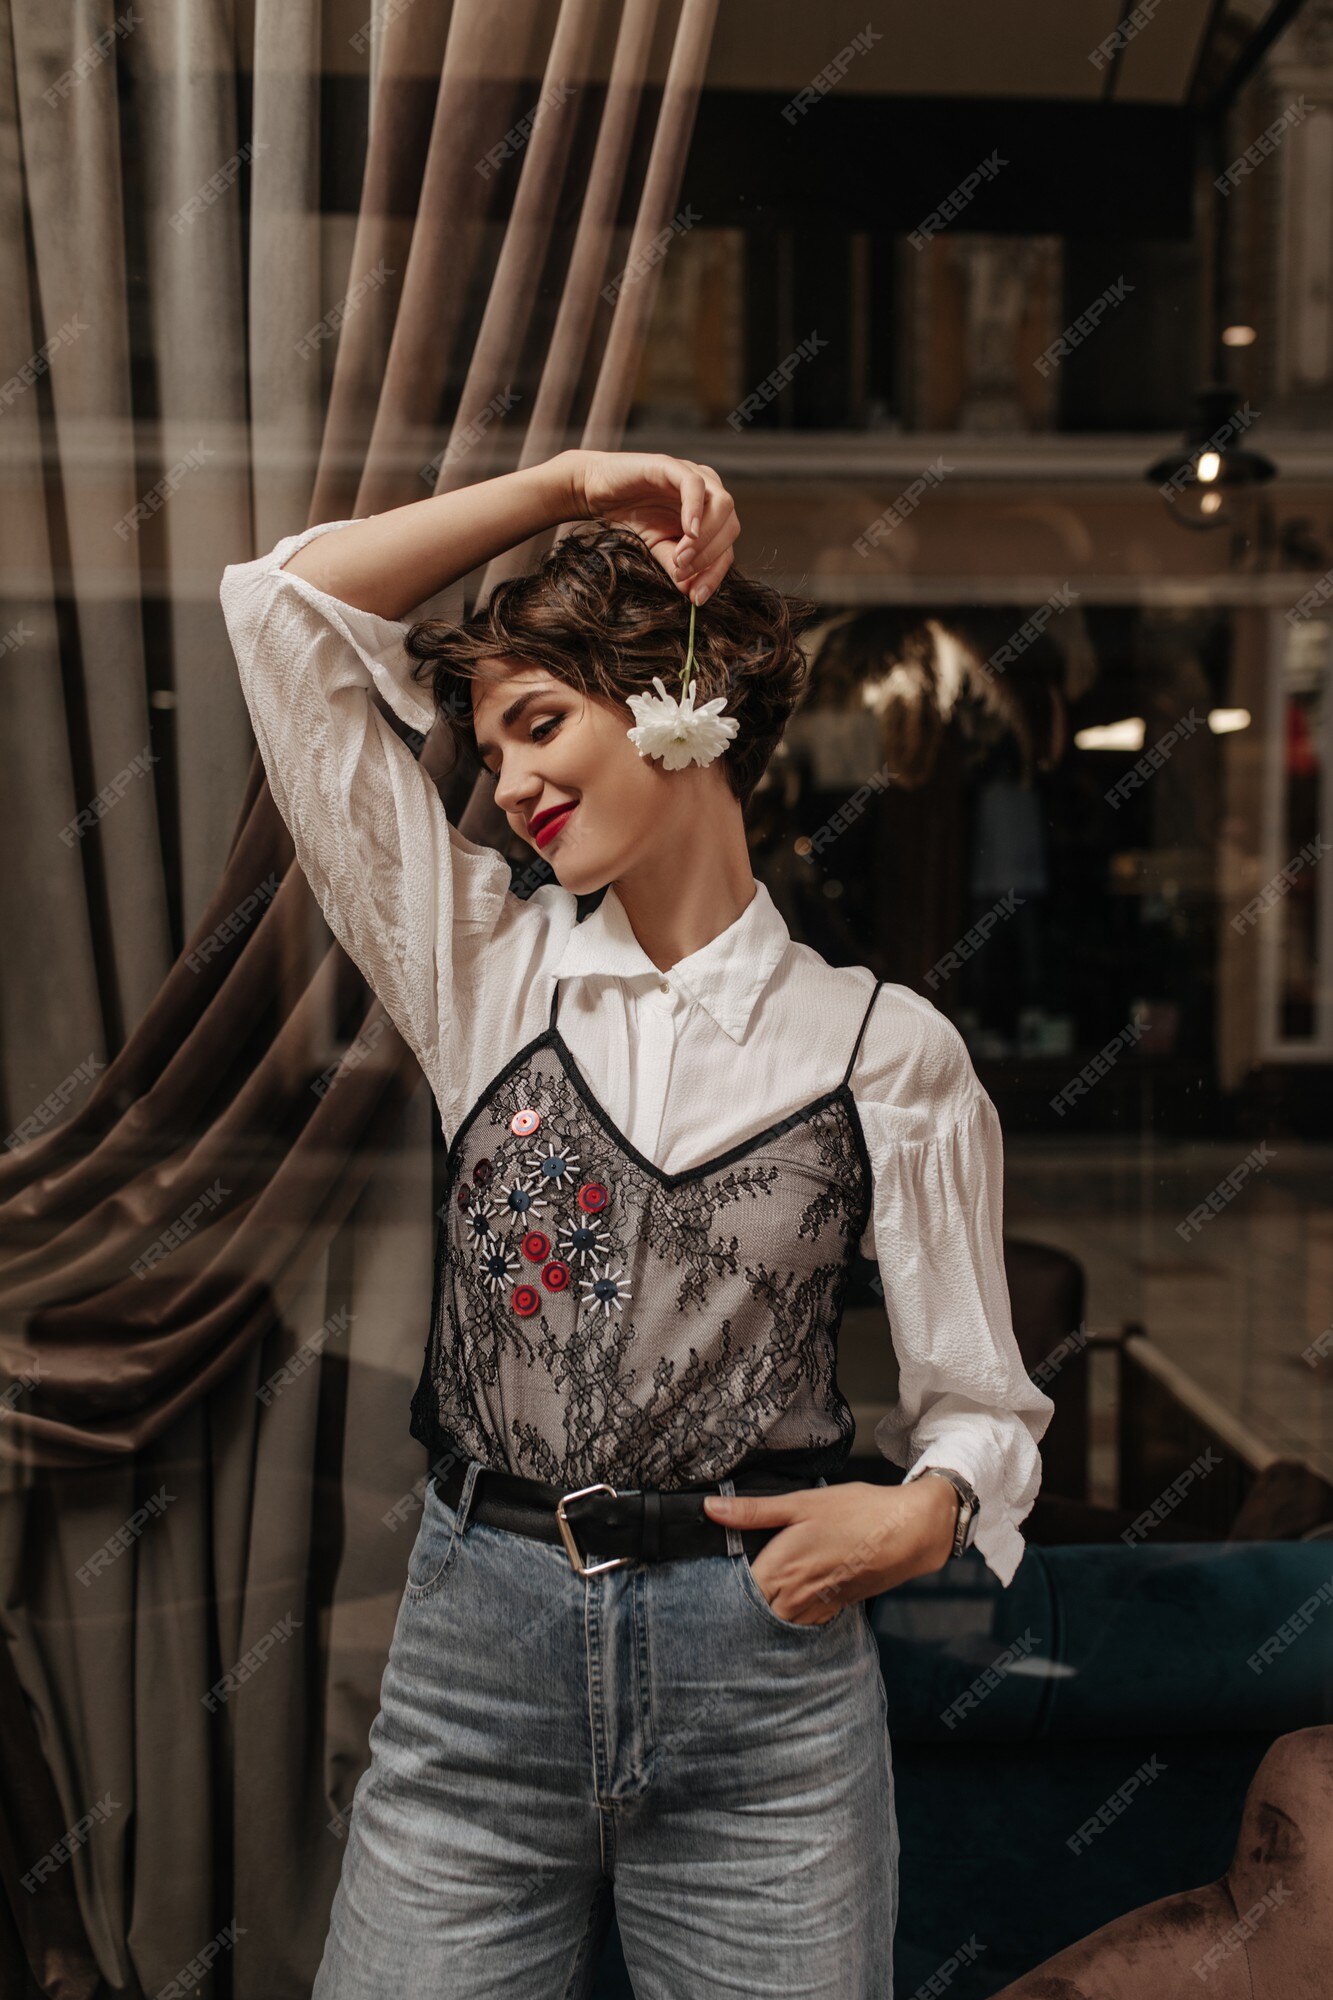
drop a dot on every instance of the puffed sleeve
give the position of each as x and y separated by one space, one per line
965 1400
407 896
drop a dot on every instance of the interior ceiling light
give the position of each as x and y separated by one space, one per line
1222 720
1127 734
1213 464
1238 336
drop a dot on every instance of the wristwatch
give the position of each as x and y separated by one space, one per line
965 1527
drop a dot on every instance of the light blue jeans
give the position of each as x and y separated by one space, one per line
656 1734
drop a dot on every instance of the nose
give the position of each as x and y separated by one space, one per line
516 789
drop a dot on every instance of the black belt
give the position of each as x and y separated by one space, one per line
601 1526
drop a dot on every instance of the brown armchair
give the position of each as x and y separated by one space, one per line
1262 1931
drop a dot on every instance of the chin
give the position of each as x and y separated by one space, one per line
585 868
580 877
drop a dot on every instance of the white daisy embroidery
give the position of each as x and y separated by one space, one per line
606 1289
555 1166
478 1216
521 1199
498 1265
583 1239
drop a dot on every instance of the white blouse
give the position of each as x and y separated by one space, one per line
686 1063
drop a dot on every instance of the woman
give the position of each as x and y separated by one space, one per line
670 1126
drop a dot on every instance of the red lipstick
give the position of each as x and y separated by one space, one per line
545 827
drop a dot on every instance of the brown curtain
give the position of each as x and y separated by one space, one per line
186 1202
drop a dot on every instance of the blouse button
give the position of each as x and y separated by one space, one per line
592 1197
664 987
524 1122
536 1247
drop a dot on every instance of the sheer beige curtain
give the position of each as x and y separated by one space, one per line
173 1509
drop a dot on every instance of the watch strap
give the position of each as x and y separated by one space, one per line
965 1526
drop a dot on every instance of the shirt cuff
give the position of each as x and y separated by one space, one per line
996 1538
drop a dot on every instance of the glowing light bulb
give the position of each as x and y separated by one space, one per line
1124 734
1208 467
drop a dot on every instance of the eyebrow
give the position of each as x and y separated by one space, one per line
514 710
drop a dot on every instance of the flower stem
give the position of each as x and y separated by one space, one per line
689 656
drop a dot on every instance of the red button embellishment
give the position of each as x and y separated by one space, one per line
593 1197
525 1300
536 1247
482 1171
556 1277
524 1122
464 1197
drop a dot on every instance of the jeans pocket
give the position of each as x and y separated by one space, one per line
433 1551
751 1591
754 1595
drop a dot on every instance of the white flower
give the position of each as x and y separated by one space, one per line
674 730
671 728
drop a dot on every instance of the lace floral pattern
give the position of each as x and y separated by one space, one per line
597 1319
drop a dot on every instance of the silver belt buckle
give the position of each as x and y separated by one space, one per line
577 1563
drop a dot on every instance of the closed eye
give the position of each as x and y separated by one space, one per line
538 734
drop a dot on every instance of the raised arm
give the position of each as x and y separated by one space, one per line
392 562
315 625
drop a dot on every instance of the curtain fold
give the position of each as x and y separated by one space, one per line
209 1465
50 1002
185 129
572 331
412 45
442 278
71 150
289 282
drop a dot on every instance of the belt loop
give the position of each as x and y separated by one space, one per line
464 1506
735 1545
652 1523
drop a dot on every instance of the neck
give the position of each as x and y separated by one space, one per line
695 882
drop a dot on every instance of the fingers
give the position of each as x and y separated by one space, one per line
754 1510
700 557
709 547
703 558
694 497
701 587
707 569
820 1607
704 528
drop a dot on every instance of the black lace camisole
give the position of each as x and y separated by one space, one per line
594 1318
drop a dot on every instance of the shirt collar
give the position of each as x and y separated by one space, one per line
725 976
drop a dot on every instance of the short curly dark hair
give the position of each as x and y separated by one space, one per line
601 614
